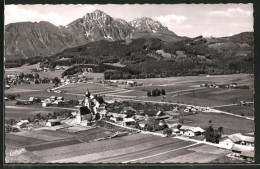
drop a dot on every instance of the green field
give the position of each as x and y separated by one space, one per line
132 148
26 69
20 112
239 110
229 123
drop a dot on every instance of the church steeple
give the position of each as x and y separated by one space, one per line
88 94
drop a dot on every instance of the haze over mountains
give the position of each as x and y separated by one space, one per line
27 39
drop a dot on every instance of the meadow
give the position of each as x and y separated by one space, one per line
229 123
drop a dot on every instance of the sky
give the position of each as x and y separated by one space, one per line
189 20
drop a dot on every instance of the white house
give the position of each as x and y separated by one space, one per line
128 122
191 131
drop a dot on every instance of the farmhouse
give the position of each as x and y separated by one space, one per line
249 155
46 104
129 111
117 117
22 123
152 113
58 103
191 131
60 98
128 122
53 122
53 98
246 152
238 138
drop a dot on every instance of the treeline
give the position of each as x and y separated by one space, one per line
156 92
19 62
96 69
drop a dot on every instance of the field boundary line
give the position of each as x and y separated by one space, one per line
161 153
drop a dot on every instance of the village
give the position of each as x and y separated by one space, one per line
125 118
47 111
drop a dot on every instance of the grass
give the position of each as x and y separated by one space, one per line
54 144
26 69
20 112
210 97
229 123
239 110
17 140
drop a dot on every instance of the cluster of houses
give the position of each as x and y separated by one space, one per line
14 79
231 86
213 85
242 146
53 101
45 69
128 83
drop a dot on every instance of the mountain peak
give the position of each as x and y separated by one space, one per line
98 12
147 24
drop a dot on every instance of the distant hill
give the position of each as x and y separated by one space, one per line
26 39
153 57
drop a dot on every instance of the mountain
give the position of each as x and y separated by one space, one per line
97 26
27 39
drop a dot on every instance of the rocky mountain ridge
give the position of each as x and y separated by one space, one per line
30 39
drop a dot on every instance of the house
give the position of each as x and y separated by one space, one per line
238 138
7 87
129 111
34 100
152 113
46 104
53 98
60 98
249 155
116 117
22 123
162 117
81 102
191 131
233 85
103 113
53 122
31 99
128 122
58 103
247 152
139 117
172 114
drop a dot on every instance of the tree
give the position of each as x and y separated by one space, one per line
212 135
153 92
210 122
56 81
163 92
149 94
12 121
168 132
158 92
220 130
36 76
209 134
21 75
36 81
99 98
181 121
